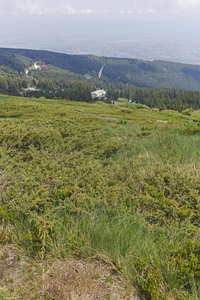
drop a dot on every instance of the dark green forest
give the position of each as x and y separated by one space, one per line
157 84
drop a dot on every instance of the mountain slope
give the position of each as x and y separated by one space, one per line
116 70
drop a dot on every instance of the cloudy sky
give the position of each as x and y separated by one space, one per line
38 7
146 29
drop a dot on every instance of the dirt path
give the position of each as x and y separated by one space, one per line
101 70
34 67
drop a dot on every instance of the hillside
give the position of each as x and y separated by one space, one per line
112 183
135 72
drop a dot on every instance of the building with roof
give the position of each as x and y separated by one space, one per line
98 95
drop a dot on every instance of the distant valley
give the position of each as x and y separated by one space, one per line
150 38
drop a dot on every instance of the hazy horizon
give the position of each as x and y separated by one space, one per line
143 29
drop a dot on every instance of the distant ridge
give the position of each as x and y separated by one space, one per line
137 72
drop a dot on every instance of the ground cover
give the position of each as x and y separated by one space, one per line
105 181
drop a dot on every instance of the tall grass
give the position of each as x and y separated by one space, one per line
173 146
141 254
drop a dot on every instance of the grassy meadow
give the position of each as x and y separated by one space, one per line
107 181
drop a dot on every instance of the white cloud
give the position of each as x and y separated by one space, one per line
31 8
151 11
90 6
190 4
37 7
126 12
65 9
86 11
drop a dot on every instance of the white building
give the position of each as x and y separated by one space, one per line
98 95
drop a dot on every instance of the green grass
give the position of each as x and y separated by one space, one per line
104 180
4 295
138 252
170 147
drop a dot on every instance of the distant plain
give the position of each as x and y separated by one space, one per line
173 38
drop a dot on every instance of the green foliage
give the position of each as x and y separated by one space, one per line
192 128
106 180
149 278
187 111
4 295
186 260
161 85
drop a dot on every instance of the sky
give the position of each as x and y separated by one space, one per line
146 29
71 7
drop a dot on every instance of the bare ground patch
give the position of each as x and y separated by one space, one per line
23 278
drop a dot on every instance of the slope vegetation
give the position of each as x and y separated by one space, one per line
116 182
116 70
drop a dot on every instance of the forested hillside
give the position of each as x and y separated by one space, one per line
164 85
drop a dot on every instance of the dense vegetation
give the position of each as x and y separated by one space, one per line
163 98
117 181
128 71
74 77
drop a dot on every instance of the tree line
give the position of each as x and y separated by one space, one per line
62 84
